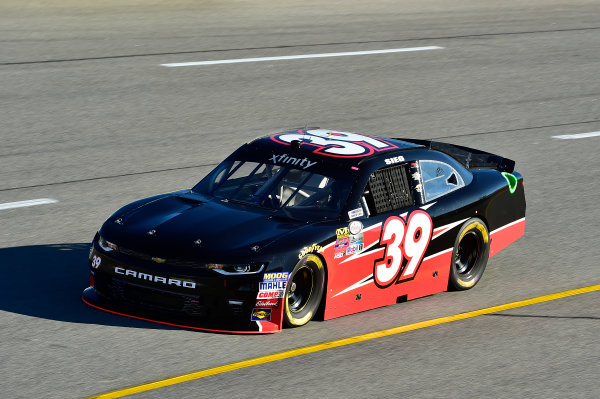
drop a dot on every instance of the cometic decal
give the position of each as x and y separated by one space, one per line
335 144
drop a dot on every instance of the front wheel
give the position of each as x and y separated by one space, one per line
304 291
470 255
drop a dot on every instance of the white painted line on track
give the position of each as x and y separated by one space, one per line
577 136
301 56
21 204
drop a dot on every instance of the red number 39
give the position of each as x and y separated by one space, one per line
402 241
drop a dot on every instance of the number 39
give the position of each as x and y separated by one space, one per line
402 240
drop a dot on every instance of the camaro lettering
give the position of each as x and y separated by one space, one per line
156 279
285 158
144 276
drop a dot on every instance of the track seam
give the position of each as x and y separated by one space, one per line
109 57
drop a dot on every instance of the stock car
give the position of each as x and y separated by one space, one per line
308 223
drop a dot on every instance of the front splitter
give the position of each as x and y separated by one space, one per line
92 298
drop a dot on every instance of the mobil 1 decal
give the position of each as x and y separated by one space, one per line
405 244
335 144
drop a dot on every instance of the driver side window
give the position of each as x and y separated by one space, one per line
439 179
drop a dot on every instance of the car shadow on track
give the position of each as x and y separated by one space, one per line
46 281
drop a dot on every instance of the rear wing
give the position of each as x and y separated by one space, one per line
468 157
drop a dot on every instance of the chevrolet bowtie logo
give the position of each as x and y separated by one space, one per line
158 260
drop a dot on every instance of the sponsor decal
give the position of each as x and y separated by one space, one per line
287 159
280 276
270 286
261 315
270 294
356 239
156 279
342 232
335 144
308 250
355 227
338 255
96 261
355 213
269 303
342 242
391 161
354 248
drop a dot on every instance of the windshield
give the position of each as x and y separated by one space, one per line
296 192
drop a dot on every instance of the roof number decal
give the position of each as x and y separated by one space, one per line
335 144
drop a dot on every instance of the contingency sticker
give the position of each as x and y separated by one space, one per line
355 213
342 232
355 227
261 315
269 303
342 242
274 277
271 294
356 244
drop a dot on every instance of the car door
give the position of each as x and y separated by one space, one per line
368 253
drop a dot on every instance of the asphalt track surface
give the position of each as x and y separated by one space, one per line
91 118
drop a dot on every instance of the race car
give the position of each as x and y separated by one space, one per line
308 223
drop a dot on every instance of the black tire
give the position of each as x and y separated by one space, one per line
470 255
304 291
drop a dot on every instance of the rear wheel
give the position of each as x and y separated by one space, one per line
304 291
470 255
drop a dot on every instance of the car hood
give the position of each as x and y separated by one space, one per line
182 225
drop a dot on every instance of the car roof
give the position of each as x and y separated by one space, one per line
332 147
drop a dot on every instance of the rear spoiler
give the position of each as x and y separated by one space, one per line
468 157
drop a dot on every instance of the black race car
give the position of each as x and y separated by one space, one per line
308 222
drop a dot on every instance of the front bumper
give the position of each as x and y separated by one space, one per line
203 302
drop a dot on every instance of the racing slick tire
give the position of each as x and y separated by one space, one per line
470 255
304 291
